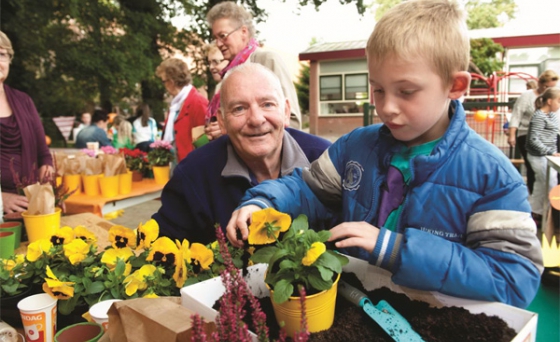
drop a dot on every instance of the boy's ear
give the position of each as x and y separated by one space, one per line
461 82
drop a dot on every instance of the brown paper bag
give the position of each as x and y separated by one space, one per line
93 166
41 199
60 162
74 166
113 164
151 319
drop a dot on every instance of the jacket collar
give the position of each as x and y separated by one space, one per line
292 158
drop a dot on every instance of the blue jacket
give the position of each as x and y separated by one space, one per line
465 230
92 133
208 184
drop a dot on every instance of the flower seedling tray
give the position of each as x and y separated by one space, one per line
201 297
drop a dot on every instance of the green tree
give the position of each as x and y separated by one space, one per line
74 54
302 88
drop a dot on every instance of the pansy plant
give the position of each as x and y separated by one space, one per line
298 257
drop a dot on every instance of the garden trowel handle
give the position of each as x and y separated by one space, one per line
352 294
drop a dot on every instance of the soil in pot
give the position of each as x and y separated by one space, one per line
433 324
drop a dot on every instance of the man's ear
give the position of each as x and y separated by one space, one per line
221 122
460 84
287 113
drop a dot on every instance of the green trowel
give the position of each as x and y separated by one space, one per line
395 325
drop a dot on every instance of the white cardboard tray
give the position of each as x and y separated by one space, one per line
201 297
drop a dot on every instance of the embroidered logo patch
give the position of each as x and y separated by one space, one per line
352 176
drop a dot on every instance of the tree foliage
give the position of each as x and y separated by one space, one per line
302 88
72 55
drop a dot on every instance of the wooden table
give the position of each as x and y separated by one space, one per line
143 191
94 223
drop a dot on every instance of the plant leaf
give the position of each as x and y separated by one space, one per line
283 289
300 223
318 283
95 287
263 255
323 235
329 261
326 274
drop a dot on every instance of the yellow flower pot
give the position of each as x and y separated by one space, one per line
109 186
73 182
161 174
125 183
319 311
58 180
91 184
41 226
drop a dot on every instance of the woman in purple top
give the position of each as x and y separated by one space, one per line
22 137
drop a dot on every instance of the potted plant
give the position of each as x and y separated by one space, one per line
297 259
138 263
159 157
135 162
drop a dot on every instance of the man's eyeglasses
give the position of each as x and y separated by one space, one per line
222 37
215 62
5 57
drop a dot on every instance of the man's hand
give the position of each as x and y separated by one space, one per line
14 203
511 136
355 234
213 130
240 220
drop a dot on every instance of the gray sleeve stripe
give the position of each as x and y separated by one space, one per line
507 231
323 178
501 219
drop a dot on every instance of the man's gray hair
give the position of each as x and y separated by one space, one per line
249 67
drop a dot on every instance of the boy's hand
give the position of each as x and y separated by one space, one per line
213 131
239 224
355 234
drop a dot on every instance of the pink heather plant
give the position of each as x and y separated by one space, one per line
160 153
230 325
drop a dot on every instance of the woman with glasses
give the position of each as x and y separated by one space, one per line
216 63
521 115
234 34
187 109
23 148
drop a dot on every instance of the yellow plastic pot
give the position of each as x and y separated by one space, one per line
319 311
41 226
109 186
73 182
161 174
125 183
91 184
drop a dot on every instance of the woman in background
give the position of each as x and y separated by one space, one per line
144 128
521 115
541 142
187 109
216 63
122 133
22 137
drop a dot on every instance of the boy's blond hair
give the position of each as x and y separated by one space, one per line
435 30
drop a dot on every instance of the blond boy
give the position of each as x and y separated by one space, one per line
421 195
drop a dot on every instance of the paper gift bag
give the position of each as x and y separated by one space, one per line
151 319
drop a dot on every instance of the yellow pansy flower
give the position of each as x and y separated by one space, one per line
136 281
36 249
9 264
165 252
56 288
313 253
62 236
150 295
184 250
111 256
76 251
201 255
146 234
266 226
81 232
180 274
122 237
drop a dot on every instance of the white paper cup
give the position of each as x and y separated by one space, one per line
98 312
93 146
38 314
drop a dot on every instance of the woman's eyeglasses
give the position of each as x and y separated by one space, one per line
222 37
215 62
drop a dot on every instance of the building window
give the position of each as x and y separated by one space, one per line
331 88
356 87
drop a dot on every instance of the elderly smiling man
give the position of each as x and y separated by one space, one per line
256 146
